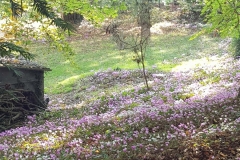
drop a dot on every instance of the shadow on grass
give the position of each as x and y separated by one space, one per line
165 52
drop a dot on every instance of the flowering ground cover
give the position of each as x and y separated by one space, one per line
191 112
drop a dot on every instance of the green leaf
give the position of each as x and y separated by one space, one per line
6 49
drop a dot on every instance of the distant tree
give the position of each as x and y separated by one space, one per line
140 11
190 10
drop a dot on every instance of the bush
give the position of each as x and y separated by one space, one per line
236 44
190 12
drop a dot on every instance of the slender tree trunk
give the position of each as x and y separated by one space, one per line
144 20
143 68
145 24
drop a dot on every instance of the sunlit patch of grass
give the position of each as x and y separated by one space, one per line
164 51
194 63
67 84
166 67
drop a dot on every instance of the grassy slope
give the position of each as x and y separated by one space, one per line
185 115
165 52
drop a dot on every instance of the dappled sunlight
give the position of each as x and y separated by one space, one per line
104 54
70 80
94 64
212 90
126 117
209 62
168 28
109 114
166 66
210 76
67 62
45 141
67 84
131 80
162 51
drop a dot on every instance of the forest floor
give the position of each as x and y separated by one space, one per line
188 113
191 110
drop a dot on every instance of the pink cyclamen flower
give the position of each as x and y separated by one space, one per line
133 147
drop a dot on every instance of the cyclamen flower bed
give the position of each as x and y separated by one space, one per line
187 114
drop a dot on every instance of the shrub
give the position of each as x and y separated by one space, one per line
236 44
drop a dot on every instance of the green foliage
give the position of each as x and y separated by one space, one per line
95 11
201 74
146 98
18 14
236 43
132 105
142 91
48 115
190 11
125 93
213 79
206 78
15 21
223 16
42 7
6 49
184 96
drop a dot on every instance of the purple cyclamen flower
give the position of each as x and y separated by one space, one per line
133 147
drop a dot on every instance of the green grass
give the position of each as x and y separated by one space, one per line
165 52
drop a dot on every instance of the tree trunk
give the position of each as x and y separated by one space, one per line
144 20
145 24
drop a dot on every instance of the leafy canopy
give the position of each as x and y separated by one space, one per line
17 14
223 16
95 11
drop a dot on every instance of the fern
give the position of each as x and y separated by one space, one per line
7 48
63 24
42 7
